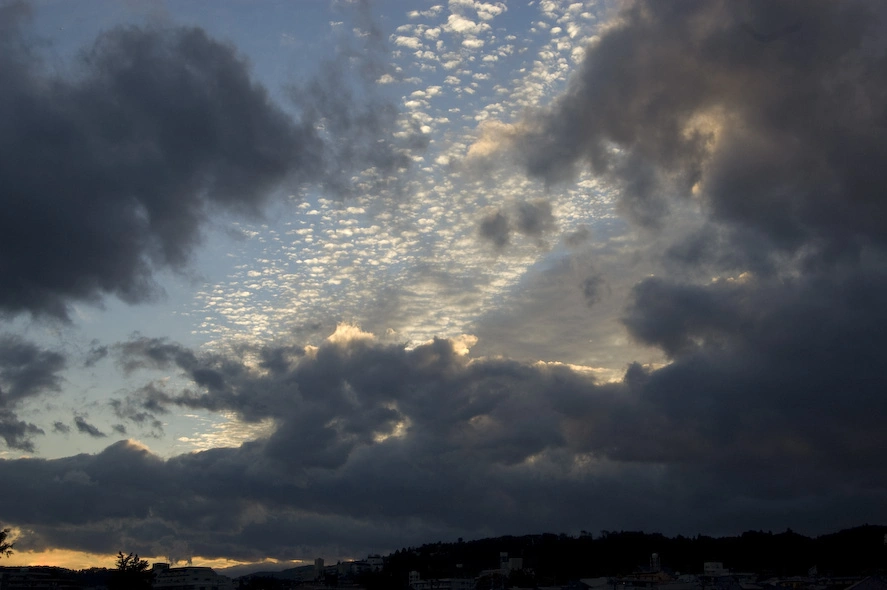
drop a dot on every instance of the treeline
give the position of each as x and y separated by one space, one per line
558 559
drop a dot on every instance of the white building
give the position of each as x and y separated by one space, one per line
714 568
444 584
190 578
510 564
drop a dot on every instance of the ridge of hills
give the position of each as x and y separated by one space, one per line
560 557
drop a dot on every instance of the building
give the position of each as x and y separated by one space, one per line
714 569
376 562
643 580
445 584
416 583
189 578
510 564
352 568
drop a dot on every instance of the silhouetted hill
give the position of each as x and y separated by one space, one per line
561 558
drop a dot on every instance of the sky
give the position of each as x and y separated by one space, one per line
287 280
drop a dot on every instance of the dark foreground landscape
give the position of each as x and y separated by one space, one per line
756 560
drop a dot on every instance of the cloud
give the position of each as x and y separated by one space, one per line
741 117
534 218
458 24
26 371
18 434
61 427
758 238
741 113
592 287
495 228
367 143
578 237
142 415
410 42
86 428
531 218
494 137
95 354
680 101
772 374
567 308
111 171
384 445
108 179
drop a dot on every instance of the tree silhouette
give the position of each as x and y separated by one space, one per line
131 573
5 547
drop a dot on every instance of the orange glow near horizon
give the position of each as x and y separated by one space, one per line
74 560
79 560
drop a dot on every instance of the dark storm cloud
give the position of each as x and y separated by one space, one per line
346 396
384 445
108 173
61 427
25 371
783 136
810 342
86 428
769 116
